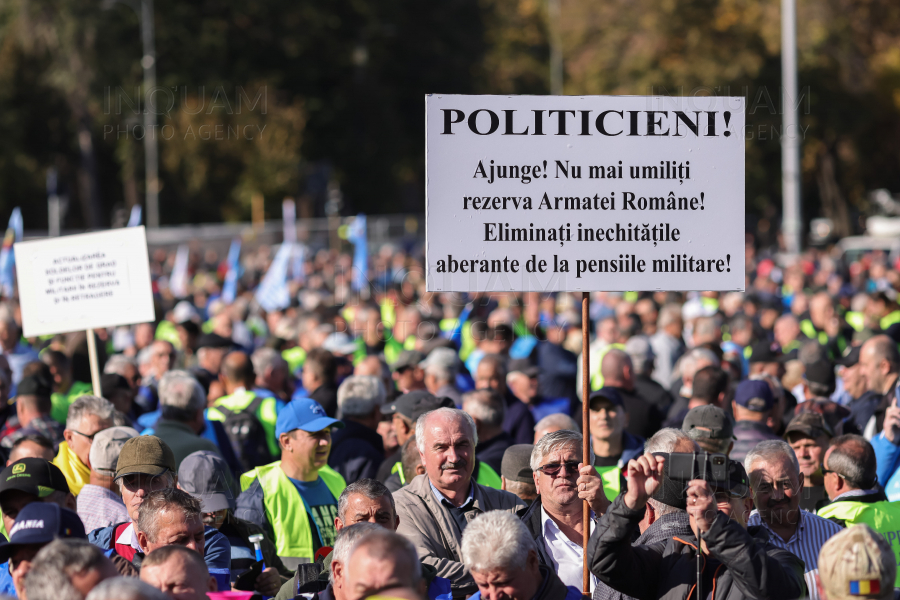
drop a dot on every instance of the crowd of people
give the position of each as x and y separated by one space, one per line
397 443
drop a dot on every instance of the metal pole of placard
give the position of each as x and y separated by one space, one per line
92 354
585 426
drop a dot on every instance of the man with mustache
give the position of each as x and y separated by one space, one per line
777 483
435 508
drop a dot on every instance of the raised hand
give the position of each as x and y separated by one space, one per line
644 478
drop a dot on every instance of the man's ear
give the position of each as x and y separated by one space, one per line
503 483
338 524
420 469
337 569
396 522
801 481
142 540
211 585
68 435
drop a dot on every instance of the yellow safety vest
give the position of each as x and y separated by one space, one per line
883 517
889 320
295 357
285 509
267 414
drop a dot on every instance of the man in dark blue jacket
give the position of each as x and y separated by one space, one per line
357 450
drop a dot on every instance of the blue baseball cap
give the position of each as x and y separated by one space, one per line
41 523
305 414
755 395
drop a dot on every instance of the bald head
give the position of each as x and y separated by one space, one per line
616 369
237 370
879 361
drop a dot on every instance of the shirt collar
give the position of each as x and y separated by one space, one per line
854 494
548 525
129 538
442 499
800 525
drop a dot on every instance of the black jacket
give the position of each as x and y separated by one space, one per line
532 520
742 563
648 389
356 451
491 451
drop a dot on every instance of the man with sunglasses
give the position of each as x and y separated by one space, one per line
87 416
851 483
555 519
146 464
737 562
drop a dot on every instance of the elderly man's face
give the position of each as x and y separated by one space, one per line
80 439
449 452
776 490
179 579
809 451
508 584
854 380
558 488
175 529
162 356
362 509
366 575
136 487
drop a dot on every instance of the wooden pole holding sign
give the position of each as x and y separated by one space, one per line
585 424
95 368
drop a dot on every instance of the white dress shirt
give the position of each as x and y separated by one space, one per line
567 556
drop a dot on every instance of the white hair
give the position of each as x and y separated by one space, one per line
179 389
665 440
496 540
345 540
359 395
447 413
125 588
485 405
558 440
88 405
145 356
769 450
117 363
562 420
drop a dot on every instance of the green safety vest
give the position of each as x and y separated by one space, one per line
856 320
388 313
295 357
597 377
467 342
486 475
883 517
810 331
267 414
60 403
612 481
166 331
889 320
285 509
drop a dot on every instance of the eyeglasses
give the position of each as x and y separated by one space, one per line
138 481
552 469
90 437
827 471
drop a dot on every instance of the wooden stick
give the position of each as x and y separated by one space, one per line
92 354
585 425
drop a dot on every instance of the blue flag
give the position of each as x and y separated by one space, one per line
356 235
178 280
135 219
229 288
455 334
7 257
299 257
272 294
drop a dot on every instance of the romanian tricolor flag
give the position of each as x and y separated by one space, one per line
865 587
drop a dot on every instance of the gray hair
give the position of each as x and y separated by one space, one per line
669 313
447 413
53 567
145 356
149 514
562 420
383 542
88 405
853 458
344 541
487 406
665 440
552 442
496 540
117 363
370 488
125 588
693 358
769 450
179 389
267 358
359 395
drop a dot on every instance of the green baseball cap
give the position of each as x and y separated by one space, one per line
145 454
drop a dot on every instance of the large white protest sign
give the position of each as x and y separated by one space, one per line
568 193
86 281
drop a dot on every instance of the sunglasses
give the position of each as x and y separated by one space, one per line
827 471
90 437
552 469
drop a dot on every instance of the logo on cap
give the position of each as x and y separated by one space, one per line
18 468
317 410
27 524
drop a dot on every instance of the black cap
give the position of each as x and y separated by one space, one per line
110 382
765 352
821 372
608 394
406 359
34 476
850 357
412 405
809 424
213 340
516 463
525 366
34 385
714 422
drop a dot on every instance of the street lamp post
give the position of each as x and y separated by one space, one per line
790 135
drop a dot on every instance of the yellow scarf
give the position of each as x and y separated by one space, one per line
77 473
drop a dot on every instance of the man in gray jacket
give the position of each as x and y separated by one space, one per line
435 508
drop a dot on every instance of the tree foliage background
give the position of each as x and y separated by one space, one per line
343 83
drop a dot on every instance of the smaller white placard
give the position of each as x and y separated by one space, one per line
87 281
